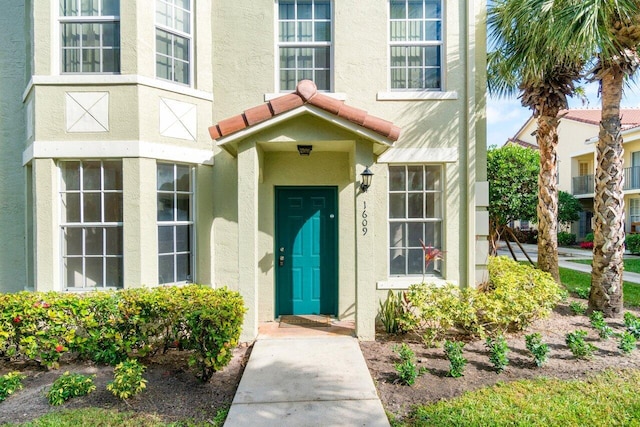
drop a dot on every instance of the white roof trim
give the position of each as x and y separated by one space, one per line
305 109
419 155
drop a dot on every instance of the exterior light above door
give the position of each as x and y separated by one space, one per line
366 175
305 150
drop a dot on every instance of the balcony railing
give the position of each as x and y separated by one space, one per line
582 185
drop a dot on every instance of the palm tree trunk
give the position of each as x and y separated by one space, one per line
608 243
547 138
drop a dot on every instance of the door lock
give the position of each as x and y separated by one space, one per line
281 260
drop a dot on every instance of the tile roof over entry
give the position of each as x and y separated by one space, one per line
630 117
306 94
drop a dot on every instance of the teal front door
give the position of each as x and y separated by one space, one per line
306 250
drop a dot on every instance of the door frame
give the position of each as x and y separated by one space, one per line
336 258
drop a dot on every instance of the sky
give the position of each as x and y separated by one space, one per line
506 116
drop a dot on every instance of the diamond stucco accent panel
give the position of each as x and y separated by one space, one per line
178 119
87 111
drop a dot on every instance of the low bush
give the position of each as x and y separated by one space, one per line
407 369
586 245
597 321
393 312
578 346
632 323
68 386
110 327
589 237
632 241
9 384
457 362
127 379
538 349
627 343
578 308
498 351
566 239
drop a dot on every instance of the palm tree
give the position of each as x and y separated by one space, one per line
525 58
609 32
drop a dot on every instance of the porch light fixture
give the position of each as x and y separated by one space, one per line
366 179
305 150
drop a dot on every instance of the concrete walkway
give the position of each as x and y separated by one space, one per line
565 255
306 381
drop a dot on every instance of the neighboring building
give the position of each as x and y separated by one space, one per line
576 158
161 142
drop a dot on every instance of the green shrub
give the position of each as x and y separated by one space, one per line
538 349
127 379
407 369
597 321
498 351
589 237
632 241
627 343
393 312
9 384
578 346
578 308
566 239
582 293
457 362
632 323
68 386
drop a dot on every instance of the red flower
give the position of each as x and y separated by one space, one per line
59 348
17 319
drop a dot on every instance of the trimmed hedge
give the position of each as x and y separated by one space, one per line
110 327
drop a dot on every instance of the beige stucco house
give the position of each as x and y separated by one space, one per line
227 143
577 136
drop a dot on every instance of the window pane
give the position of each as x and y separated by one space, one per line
163 42
110 60
183 238
415 234
432 234
182 207
305 58
305 74
111 35
165 240
89 7
416 261
433 30
181 48
286 9
416 79
415 178
183 178
113 207
110 7
416 205
304 9
398 78
398 56
323 80
165 269
433 178
70 175
287 31
92 207
432 9
74 274
304 31
183 23
415 30
415 9
112 175
68 7
71 207
93 271
396 235
397 261
93 241
397 177
322 9
287 57
71 61
398 31
398 9
432 78
72 241
165 177
397 206
163 13
183 268
181 72
91 176
114 272
323 57
90 35
432 55
163 67
433 205
288 80
114 240
70 35
91 60
415 56
323 31
165 207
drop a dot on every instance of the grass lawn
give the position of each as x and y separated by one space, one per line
580 283
630 264
610 398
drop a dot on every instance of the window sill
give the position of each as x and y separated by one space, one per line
340 96
417 96
401 283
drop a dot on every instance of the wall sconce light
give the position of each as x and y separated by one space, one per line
366 179
305 150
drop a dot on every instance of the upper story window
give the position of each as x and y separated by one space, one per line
304 43
174 40
416 46
415 215
91 223
90 32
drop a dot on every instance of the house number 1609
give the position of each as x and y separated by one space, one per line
364 219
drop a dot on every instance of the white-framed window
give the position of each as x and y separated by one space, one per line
634 210
583 169
416 44
175 223
174 40
415 215
90 36
91 223
304 43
